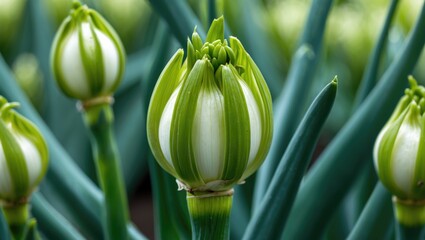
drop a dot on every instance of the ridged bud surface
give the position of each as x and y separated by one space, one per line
210 118
399 151
87 56
23 155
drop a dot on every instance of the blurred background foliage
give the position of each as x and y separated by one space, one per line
269 29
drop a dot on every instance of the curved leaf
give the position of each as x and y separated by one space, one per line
269 218
352 145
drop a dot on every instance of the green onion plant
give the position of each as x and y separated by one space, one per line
262 119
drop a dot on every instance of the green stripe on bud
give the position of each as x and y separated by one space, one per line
210 118
23 155
87 55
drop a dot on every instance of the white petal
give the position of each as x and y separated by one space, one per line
110 60
5 180
165 126
72 67
254 121
32 158
376 146
72 63
404 155
208 134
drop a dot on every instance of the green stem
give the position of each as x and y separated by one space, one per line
404 232
17 217
99 119
209 214
410 216
409 213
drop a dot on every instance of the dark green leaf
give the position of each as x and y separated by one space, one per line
171 216
180 18
269 218
4 228
376 220
371 71
246 23
288 107
328 181
50 221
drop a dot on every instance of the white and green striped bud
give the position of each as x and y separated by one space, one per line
87 55
399 155
23 156
210 118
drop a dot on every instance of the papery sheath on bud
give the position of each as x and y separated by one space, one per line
399 155
210 117
87 56
23 156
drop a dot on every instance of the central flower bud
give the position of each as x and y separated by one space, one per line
210 119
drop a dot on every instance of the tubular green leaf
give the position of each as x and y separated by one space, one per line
179 17
53 224
4 229
246 21
352 145
171 218
270 217
371 71
287 106
376 217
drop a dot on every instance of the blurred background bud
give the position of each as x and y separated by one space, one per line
29 76
87 55
128 17
23 156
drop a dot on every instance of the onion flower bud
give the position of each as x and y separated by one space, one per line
399 154
87 55
210 118
23 156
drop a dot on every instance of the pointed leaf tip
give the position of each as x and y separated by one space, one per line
335 80
216 30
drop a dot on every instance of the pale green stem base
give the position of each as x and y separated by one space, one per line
410 216
17 217
209 214
21 225
99 120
